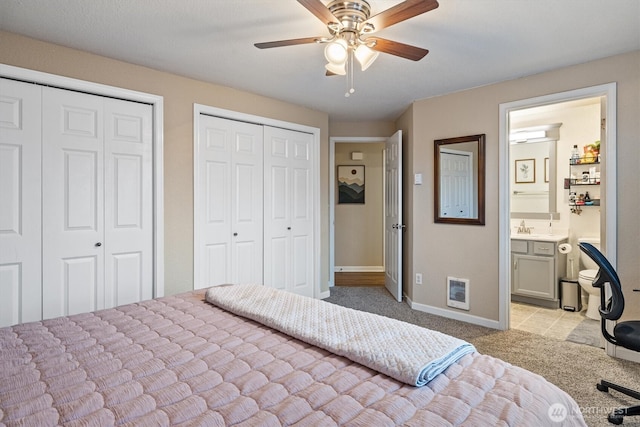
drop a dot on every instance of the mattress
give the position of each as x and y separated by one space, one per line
181 361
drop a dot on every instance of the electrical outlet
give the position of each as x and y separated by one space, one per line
418 278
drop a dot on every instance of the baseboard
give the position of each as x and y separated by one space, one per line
626 354
325 294
359 269
450 314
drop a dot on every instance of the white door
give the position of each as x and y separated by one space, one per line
456 181
229 202
97 234
128 220
73 197
393 215
288 204
20 211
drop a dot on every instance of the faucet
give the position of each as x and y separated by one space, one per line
523 228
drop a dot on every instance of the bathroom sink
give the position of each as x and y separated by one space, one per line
540 237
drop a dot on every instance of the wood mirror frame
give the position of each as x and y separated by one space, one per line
468 144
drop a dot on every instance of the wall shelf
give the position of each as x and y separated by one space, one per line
576 203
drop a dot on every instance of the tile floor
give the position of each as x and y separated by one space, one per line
555 323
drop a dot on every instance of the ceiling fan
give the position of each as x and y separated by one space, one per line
351 26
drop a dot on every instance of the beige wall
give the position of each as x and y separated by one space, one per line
179 94
359 229
436 250
361 129
472 251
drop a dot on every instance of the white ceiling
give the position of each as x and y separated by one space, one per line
471 43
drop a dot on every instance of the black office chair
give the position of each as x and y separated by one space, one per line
625 334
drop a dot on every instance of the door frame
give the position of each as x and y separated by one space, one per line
199 109
608 91
157 104
333 140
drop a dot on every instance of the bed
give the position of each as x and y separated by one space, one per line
181 360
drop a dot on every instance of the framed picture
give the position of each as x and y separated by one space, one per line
351 184
458 293
546 169
525 171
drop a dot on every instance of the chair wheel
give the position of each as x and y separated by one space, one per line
615 419
602 387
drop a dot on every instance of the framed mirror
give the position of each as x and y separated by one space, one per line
537 197
459 184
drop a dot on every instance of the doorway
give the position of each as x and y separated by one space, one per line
390 192
607 224
357 229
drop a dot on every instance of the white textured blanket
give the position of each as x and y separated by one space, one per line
406 352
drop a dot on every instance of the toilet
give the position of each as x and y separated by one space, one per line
587 274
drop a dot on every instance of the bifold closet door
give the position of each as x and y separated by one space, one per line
96 195
128 218
229 173
73 198
288 204
20 210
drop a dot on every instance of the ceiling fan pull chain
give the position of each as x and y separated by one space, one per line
349 79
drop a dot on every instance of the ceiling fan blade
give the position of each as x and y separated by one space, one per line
320 11
401 12
398 49
291 42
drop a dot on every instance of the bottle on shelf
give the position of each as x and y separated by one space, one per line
575 155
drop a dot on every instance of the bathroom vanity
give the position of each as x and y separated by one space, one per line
536 269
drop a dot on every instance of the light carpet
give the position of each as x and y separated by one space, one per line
575 368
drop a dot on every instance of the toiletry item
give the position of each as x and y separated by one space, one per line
575 155
592 175
585 177
587 198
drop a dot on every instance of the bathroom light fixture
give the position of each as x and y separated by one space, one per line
527 136
541 133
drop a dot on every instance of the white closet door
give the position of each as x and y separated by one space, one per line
288 204
20 211
73 199
128 218
229 203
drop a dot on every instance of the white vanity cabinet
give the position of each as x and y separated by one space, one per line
536 268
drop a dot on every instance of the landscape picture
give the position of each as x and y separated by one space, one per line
351 184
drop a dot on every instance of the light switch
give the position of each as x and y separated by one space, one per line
417 180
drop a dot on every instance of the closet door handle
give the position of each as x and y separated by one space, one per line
98 244
288 228
235 234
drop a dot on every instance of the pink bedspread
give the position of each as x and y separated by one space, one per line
181 361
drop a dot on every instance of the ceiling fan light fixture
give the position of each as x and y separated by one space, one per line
350 24
365 56
336 52
339 69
